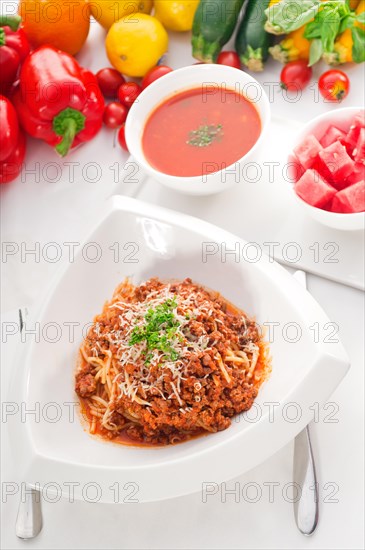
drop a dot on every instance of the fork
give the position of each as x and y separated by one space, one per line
304 471
29 520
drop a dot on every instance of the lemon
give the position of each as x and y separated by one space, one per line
176 15
106 12
135 46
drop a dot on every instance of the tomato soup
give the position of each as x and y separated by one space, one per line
196 132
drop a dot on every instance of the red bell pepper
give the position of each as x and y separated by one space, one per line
58 101
14 48
12 142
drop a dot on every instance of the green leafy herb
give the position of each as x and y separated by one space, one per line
315 51
361 17
331 18
330 26
346 23
159 331
313 30
323 20
326 23
205 135
289 15
358 48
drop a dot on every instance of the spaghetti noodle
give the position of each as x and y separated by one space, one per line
164 362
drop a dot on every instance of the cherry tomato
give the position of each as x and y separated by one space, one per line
128 93
231 59
114 114
334 85
155 73
109 81
295 75
121 138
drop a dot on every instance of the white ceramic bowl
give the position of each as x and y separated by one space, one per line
53 448
180 80
317 126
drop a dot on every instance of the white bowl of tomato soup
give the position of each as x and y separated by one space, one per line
194 129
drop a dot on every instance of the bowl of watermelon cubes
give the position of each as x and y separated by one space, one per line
327 168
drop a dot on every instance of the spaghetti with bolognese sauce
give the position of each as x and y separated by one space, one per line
164 362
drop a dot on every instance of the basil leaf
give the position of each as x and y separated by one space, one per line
330 28
289 15
358 47
346 23
343 8
313 30
361 17
330 14
315 51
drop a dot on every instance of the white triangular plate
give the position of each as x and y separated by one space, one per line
52 447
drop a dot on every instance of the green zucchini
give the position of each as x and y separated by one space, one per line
252 41
213 26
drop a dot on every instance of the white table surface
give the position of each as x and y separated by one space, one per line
42 211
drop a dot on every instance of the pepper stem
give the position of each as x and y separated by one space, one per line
68 123
12 21
69 135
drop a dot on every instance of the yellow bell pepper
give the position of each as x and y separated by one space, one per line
294 46
342 51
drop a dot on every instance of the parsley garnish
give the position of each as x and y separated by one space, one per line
205 135
159 332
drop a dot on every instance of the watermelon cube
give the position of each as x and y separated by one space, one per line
295 169
334 164
314 190
359 151
336 206
350 200
354 131
307 151
359 119
356 175
331 135
351 138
